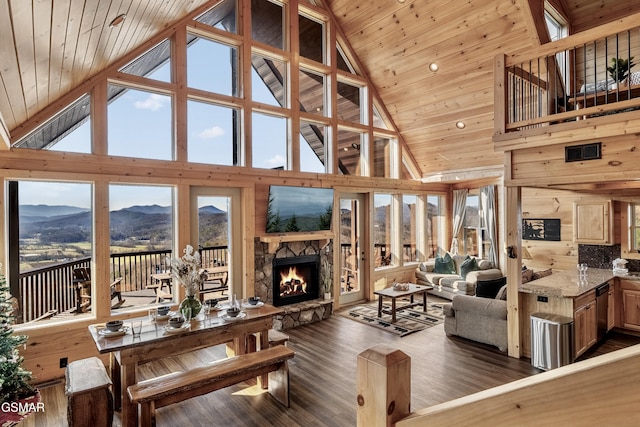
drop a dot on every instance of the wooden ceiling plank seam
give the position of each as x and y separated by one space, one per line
71 40
99 31
131 35
22 13
147 27
165 13
42 16
59 24
134 16
451 69
79 70
15 108
351 13
109 35
419 124
455 24
4 100
456 48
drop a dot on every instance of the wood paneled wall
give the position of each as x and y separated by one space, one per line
557 204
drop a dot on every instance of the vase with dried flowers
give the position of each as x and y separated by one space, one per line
188 271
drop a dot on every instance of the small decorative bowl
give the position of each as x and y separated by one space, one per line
114 325
254 300
163 310
176 322
233 312
212 302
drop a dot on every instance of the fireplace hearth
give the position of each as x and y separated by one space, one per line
295 279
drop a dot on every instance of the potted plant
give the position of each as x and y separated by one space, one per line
619 69
18 397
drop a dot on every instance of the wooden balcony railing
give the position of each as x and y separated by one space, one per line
570 79
50 289
598 391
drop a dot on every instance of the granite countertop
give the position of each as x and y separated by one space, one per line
566 283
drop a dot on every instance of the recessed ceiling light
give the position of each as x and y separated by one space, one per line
401 1
460 125
118 20
433 67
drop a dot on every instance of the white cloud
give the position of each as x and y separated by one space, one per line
276 161
154 102
211 133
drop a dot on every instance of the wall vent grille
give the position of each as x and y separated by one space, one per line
577 153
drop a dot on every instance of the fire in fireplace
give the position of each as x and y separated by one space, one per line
295 279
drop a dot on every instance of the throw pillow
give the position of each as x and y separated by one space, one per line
540 274
484 264
468 265
527 275
502 293
489 288
444 265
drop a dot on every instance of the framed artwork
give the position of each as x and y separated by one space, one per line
541 229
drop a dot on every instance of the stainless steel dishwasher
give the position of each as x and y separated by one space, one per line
602 308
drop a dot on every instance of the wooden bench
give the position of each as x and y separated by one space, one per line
178 386
89 398
276 338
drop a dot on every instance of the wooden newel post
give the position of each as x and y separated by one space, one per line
383 386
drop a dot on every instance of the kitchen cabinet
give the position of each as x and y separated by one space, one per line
593 222
631 309
630 304
611 308
585 322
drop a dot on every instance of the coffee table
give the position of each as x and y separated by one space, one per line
393 294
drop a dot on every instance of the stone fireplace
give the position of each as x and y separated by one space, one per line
302 298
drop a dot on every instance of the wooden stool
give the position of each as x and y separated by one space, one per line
89 397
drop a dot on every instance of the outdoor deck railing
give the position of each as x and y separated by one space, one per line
50 289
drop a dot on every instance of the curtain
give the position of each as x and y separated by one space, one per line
459 205
488 206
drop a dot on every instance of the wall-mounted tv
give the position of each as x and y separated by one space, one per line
299 209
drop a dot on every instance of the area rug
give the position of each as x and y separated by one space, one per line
407 322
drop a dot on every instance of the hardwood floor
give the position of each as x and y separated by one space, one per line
323 378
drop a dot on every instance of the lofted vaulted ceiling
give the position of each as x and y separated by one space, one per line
48 47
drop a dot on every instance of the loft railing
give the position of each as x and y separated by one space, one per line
581 76
50 289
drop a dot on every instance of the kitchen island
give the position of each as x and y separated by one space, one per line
565 293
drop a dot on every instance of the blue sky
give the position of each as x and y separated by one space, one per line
209 131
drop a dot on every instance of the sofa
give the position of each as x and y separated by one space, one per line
483 317
479 319
460 277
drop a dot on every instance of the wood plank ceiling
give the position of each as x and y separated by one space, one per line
48 47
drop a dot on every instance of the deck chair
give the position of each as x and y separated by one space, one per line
82 286
82 283
116 292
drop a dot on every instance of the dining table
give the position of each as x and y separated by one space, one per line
157 341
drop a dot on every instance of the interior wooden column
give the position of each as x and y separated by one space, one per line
513 216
